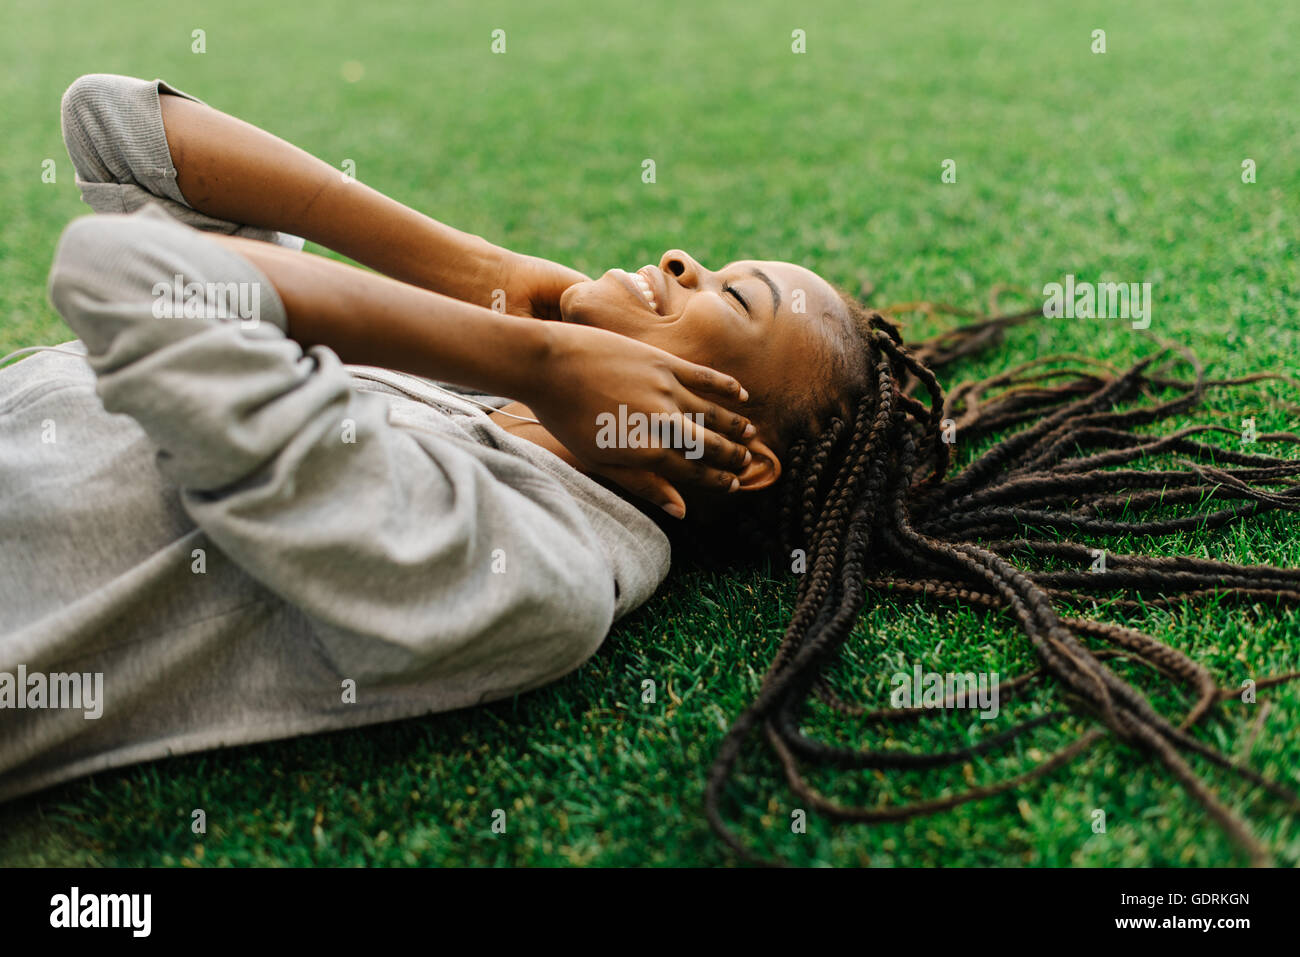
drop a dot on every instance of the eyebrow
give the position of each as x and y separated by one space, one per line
776 293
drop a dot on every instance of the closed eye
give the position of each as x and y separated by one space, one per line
739 297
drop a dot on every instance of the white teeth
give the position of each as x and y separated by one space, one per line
646 291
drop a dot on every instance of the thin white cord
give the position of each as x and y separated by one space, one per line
491 408
430 384
29 349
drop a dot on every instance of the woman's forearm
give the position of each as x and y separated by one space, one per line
369 319
233 170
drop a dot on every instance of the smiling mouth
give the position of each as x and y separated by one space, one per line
641 284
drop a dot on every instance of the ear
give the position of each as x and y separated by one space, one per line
763 469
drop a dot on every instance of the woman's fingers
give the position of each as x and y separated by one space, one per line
676 423
687 453
650 487
726 429
705 381
708 451
718 419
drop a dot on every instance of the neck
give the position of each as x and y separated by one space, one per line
532 432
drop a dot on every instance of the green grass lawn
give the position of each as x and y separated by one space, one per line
1124 166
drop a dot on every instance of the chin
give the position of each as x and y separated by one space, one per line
588 303
566 301
574 302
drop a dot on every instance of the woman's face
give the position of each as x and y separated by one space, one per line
771 325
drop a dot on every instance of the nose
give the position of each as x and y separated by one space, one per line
681 265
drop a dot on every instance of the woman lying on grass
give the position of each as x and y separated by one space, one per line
256 541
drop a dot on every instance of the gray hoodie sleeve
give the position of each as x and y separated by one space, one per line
413 552
113 130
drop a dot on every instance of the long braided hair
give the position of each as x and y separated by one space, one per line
870 501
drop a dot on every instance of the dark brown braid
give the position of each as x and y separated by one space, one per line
869 501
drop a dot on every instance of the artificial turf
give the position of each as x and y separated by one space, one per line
1123 166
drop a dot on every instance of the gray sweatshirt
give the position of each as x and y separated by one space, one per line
229 539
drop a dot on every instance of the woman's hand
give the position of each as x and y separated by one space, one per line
597 387
533 285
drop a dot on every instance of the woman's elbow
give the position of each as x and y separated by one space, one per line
83 117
